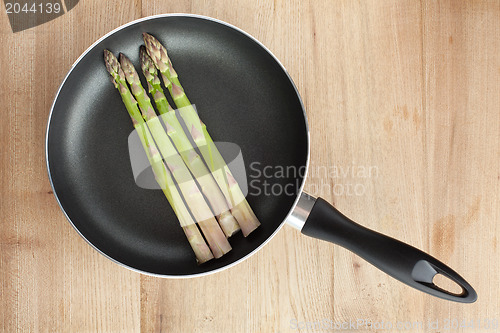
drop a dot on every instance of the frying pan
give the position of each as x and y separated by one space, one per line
245 96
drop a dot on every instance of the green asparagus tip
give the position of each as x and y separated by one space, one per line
113 66
124 61
151 74
128 68
108 59
156 51
152 44
159 55
149 41
146 61
147 66
131 74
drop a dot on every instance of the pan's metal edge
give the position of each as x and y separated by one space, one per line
208 19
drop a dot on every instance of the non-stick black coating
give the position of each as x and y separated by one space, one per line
242 94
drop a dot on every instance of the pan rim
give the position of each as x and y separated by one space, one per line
159 16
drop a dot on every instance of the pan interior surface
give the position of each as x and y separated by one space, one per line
242 94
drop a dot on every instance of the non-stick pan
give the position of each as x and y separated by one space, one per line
245 96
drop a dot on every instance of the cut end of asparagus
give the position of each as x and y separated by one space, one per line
200 248
246 217
241 211
228 224
215 237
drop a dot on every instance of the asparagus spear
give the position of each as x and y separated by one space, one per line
217 242
223 176
193 161
234 197
154 84
162 176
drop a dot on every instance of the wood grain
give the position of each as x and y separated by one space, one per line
407 89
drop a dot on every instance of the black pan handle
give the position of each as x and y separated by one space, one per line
401 261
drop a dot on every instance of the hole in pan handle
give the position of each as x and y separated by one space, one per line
401 261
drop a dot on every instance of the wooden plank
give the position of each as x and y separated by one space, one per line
462 84
51 280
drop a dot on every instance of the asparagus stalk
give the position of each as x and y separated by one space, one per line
154 84
223 176
163 177
194 199
191 159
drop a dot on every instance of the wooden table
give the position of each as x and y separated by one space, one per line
409 89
